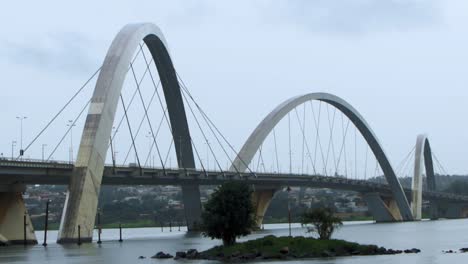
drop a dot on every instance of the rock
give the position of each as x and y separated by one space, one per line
181 254
249 256
192 254
141 257
412 251
463 250
356 252
284 250
449 251
327 253
162 255
235 254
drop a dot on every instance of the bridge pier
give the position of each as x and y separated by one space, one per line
382 210
12 215
453 210
261 199
192 206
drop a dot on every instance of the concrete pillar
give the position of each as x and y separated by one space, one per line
261 199
382 211
192 206
12 213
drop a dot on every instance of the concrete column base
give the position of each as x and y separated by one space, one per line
261 200
12 213
382 211
192 206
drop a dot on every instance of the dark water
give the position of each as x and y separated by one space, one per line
430 236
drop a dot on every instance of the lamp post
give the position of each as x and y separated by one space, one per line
13 144
71 125
21 118
150 138
114 132
43 146
207 154
289 211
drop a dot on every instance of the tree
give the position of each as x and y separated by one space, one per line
229 213
323 222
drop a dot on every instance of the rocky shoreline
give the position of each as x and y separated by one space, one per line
273 248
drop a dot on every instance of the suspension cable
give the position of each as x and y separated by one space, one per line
305 140
330 139
68 130
147 117
62 109
317 139
202 132
130 130
211 125
276 151
343 145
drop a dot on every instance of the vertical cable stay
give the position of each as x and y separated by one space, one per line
131 99
142 120
317 126
168 152
404 161
355 154
156 136
112 154
365 164
131 134
147 117
331 126
440 164
276 151
68 130
343 145
202 132
62 109
289 144
156 89
212 126
304 139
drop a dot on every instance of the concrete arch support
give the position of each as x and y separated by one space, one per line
81 203
422 153
260 133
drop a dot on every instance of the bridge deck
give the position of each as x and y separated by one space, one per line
59 173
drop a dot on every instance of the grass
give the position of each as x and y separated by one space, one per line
133 224
298 246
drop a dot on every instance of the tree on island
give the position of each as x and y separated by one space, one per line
229 213
322 222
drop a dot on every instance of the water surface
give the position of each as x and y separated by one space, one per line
432 237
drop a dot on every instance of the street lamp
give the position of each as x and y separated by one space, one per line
43 146
71 125
150 138
289 211
21 118
207 154
13 144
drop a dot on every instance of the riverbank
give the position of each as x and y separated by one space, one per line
285 247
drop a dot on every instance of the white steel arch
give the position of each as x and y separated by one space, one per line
260 133
81 202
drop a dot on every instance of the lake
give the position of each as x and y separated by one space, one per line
432 237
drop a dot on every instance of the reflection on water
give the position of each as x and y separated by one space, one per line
430 236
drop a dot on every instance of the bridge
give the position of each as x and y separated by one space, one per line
331 168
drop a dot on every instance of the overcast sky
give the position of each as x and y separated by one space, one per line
402 63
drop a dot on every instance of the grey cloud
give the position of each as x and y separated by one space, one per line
64 52
361 16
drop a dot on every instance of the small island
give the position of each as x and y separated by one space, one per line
283 248
228 215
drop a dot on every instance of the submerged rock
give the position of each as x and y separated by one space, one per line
162 255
